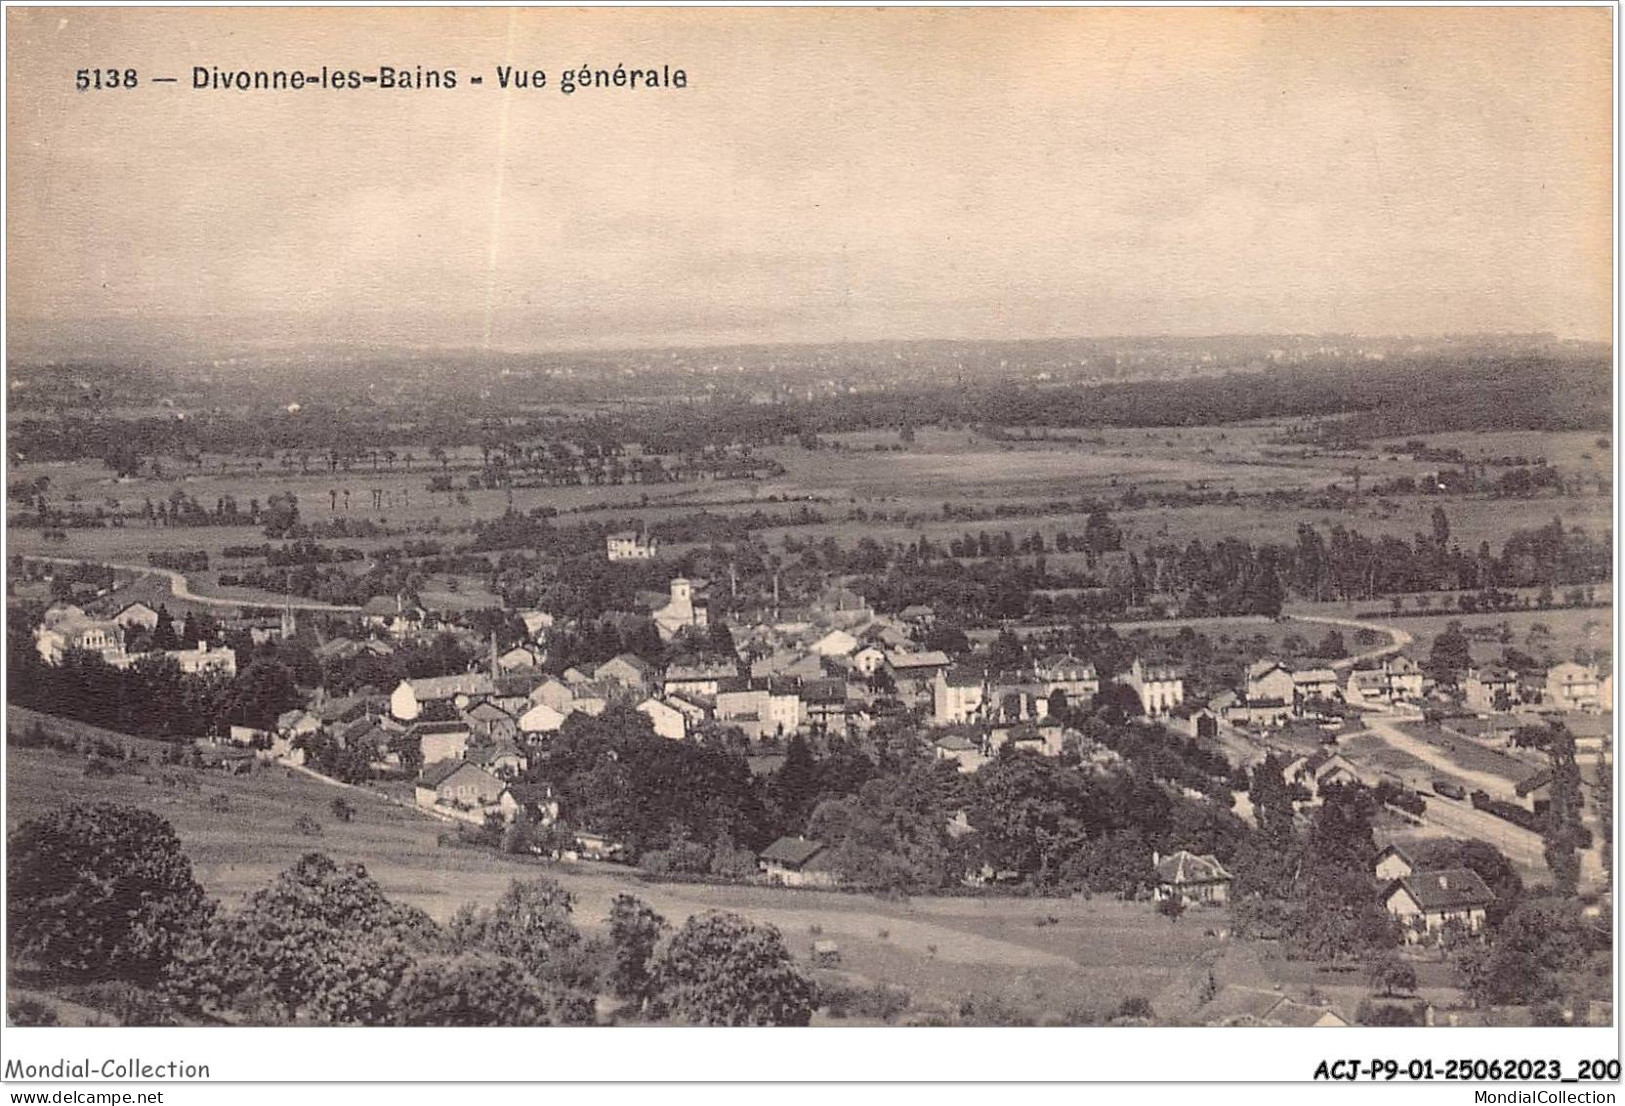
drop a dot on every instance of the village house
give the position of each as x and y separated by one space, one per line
520 658
915 674
1235 1005
629 670
1190 878
297 723
1016 702
1269 684
1323 769
795 862
698 676
490 721
137 615
192 662
69 628
824 706
629 545
836 643
555 693
760 708
593 699
1075 679
537 623
841 606
392 616
887 634
918 614
541 718
1392 863
1160 687
868 660
1426 904
960 747
460 789
958 695
1043 738
1398 680
502 759
1571 687
1491 688
408 700
667 720
1313 686
441 741
789 665
347 708
537 804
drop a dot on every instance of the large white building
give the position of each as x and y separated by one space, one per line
68 628
1160 687
1571 686
629 545
958 695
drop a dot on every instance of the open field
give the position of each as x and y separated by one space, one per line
1093 954
963 467
1475 755
1548 636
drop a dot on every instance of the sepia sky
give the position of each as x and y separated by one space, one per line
825 175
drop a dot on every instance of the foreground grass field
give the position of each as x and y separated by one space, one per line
1063 959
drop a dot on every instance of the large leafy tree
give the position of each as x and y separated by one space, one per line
322 945
720 969
634 931
1451 654
893 832
261 692
471 989
1342 914
1528 954
1564 830
100 892
530 925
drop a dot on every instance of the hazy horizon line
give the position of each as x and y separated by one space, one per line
628 344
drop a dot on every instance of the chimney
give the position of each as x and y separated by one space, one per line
1428 1015
1444 883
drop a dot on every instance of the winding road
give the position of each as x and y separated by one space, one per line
181 588
1398 638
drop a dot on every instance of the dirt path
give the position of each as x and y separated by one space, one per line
1498 787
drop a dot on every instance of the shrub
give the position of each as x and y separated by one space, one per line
128 1004
1135 1006
993 1010
720 969
307 826
30 1011
100 892
1387 1013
